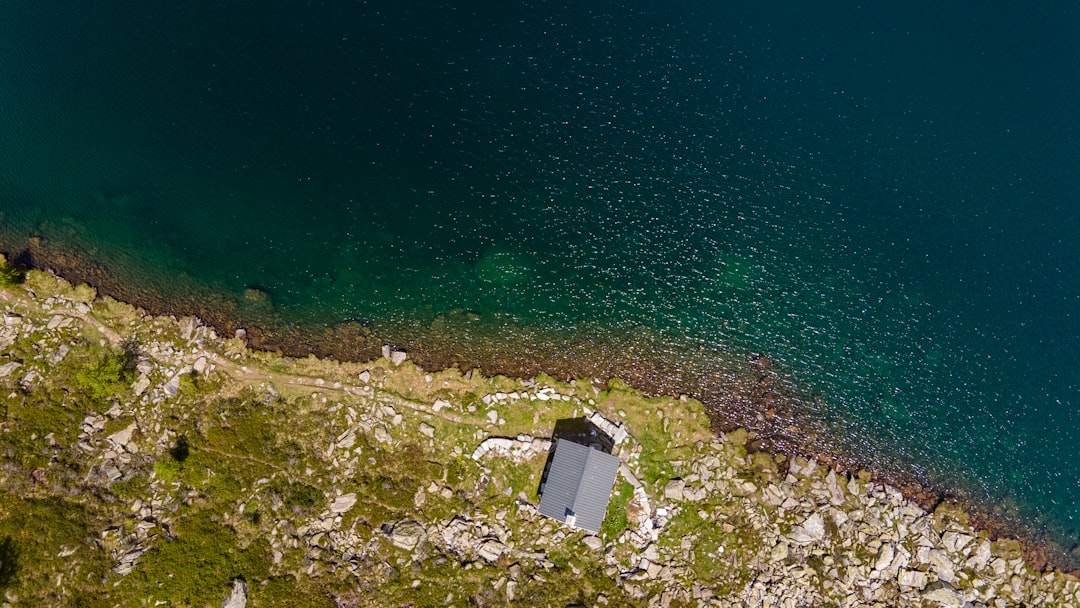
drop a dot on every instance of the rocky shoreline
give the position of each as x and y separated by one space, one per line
382 484
751 396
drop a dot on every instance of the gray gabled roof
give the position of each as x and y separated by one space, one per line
579 483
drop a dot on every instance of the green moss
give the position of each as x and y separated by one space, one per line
289 592
167 470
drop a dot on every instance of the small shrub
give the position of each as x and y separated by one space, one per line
10 274
108 376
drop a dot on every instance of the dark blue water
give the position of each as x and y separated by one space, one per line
882 200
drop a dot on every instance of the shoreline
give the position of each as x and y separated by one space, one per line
756 398
383 484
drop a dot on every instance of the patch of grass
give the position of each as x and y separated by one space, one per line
289 592
387 487
167 470
616 520
197 566
30 418
34 532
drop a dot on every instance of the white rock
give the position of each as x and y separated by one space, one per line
912 578
365 376
398 357
382 435
779 552
810 531
172 387
123 438
140 385
238 596
943 594
200 365
440 404
493 416
343 503
427 429
884 557
981 557
490 550
346 440
674 490
593 543
7 368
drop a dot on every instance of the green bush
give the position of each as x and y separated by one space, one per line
10 274
108 376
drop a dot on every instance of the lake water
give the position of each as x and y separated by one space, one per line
884 201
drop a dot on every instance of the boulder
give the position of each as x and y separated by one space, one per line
406 534
779 552
810 531
490 550
398 357
943 594
674 490
593 543
343 503
123 438
912 578
7 368
238 596
140 385
172 387
884 557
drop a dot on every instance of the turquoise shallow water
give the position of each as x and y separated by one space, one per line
883 201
